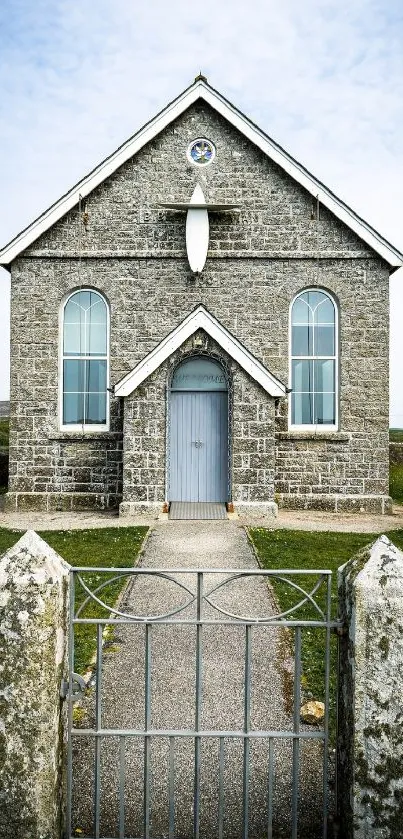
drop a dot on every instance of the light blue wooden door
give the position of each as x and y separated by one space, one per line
199 446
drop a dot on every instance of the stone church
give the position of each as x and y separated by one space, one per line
199 320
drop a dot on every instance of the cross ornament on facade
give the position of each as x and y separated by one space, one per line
197 226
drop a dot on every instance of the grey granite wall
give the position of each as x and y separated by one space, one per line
260 257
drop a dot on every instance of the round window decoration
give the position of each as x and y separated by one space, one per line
201 152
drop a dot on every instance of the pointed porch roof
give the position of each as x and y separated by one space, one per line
200 318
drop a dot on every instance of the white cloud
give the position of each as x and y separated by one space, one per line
323 78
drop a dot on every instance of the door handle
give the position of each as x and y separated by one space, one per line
197 443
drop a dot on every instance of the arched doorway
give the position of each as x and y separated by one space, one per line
198 433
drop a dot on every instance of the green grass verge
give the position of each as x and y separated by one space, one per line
107 547
396 482
396 435
278 549
4 432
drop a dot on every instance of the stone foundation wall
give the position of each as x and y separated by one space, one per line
67 473
333 471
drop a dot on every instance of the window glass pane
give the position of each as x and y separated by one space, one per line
324 376
324 340
96 376
302 340
95 408
72 310
83 298
97 311
73 376
325 311
301 408
73 345
302 376
96 339
325 412
84 381
301 312
73 408
315 298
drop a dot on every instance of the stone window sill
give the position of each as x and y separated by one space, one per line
76 437
315 436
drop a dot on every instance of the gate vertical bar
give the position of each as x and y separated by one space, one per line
70 705
122 767
199 663
326 719
147 722
221 790
246 742
171 788
98 726
270 791
296 742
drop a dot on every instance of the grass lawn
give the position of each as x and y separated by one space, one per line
396 435
106 547
327 551
396 482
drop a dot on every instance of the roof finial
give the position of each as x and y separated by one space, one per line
201 78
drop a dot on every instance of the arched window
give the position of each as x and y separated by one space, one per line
313 360
85 360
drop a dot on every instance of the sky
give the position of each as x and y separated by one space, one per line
324 78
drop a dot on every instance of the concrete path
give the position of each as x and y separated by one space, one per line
191 545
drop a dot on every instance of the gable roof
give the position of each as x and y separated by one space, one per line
200 318
200 89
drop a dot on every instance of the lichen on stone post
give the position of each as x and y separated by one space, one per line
33 641
370 742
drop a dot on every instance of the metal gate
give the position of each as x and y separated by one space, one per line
155 754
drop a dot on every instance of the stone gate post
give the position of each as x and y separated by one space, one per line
33 624
370 744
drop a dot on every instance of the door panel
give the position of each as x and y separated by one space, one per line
199 446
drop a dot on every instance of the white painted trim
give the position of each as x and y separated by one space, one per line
201 90
314 427
82 428
200 318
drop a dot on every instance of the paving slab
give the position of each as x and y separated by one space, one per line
288 519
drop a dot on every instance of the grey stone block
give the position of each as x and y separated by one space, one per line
33 650
370 759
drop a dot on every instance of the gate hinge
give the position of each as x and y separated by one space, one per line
78 687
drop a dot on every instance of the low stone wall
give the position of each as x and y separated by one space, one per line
33 642
370 743
395 453
3 467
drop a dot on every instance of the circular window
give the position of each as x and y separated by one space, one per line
201 151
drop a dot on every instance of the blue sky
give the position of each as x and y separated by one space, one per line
324 78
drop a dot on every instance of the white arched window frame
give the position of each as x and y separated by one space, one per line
314 361
84 362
